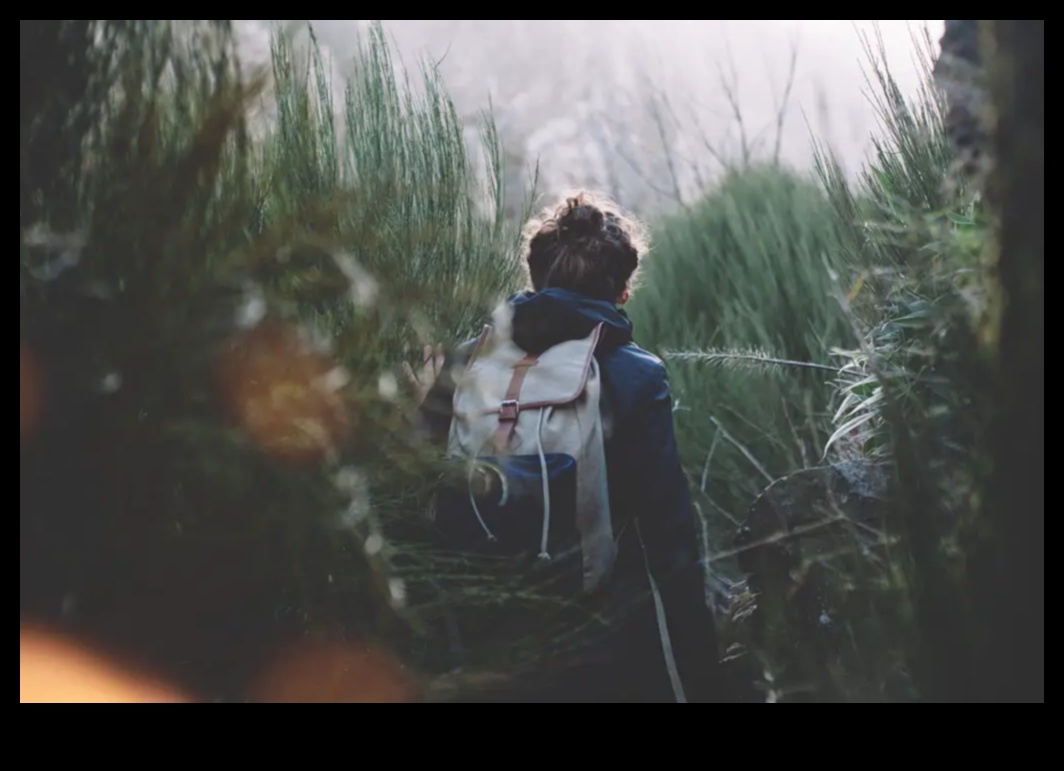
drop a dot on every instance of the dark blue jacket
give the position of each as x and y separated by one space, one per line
647 486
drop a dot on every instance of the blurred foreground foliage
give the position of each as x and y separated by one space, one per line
218 276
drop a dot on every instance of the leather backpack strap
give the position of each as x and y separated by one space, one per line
510 409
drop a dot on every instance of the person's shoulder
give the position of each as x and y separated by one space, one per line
643 372
641 360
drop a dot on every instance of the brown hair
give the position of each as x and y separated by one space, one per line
586 245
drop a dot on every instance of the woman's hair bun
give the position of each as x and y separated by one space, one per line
580 220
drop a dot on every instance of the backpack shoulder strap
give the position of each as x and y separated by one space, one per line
510 409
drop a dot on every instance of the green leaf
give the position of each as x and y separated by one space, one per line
846 429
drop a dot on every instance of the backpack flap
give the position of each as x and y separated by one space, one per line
502 381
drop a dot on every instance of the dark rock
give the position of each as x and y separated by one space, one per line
806 546
960 73
961 39
806 513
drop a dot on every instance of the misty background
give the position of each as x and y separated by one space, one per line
649 110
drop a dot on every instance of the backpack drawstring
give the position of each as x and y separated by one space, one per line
473 498
663 625
476 510
544 553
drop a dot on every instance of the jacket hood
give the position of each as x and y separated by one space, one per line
544 319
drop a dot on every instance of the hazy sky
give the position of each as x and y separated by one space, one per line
553 81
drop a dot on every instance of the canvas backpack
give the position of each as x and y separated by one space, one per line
528 431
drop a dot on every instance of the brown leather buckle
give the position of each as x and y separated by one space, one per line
509 411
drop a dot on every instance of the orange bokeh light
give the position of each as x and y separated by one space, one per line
30 397
285 395
56 671
333 673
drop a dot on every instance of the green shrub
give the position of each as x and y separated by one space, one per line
916 238
738 289
914 391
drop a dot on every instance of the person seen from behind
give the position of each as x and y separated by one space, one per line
583 257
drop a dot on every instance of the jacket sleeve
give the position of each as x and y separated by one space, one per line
671 543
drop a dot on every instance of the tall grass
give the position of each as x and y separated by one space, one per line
810 319
383 164
739 296
387 162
